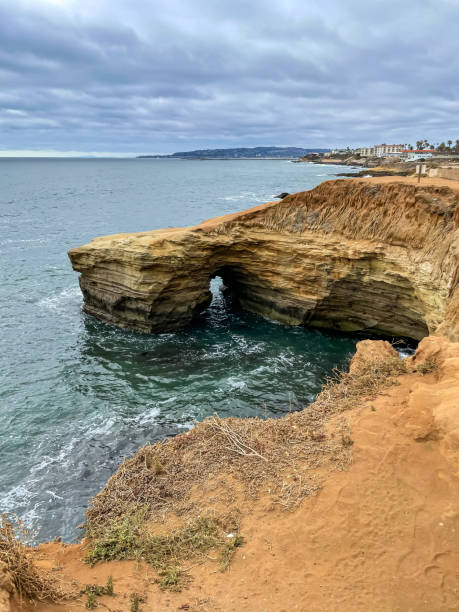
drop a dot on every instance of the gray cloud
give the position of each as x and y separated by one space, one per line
173 74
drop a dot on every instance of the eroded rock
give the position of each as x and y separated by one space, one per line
368 351
347 255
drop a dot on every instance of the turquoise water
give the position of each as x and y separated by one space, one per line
76 396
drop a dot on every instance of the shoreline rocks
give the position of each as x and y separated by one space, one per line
349 255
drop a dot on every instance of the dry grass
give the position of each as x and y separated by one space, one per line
426 367
359 210
29 581
278 456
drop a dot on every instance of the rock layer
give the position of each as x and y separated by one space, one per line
349 255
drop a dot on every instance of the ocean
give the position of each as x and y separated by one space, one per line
76 395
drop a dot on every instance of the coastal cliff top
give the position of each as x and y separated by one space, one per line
452 185
412 180
376 527
213 222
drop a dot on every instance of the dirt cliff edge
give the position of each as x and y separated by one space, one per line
380 532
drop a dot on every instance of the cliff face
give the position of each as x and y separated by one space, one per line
349 255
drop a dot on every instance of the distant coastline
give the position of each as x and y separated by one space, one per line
239 153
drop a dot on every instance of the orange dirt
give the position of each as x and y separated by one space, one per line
412 180
382 536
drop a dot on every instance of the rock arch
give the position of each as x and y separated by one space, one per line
349 255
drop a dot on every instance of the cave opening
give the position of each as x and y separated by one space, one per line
365 309
224 290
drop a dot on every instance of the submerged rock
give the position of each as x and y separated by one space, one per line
349 255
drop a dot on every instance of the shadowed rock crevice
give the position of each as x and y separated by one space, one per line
347 255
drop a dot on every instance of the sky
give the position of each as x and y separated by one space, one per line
127 77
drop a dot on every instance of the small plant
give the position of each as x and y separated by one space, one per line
158 468
228 549
427 366
170 579
154 465
93 591
136 600
92 601
109 586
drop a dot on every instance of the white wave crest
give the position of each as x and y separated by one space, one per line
60 301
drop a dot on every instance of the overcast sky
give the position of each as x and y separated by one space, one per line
147 76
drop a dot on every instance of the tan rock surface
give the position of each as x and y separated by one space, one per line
380 256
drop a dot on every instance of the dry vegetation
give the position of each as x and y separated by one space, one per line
242 457
356 211
426 367
129 538
28 581
279 456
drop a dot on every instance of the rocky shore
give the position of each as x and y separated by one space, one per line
349 504
386 166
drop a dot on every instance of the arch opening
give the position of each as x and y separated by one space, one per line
231 285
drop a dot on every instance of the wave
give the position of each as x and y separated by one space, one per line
249 196
60 301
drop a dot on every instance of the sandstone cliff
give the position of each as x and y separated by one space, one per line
351 255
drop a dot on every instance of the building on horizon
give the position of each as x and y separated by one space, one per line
381 150
415 154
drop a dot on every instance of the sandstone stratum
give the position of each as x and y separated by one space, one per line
372 256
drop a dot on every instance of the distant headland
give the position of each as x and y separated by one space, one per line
241 153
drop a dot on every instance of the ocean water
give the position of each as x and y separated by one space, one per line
76 396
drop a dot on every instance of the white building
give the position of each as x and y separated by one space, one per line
414 156
381 150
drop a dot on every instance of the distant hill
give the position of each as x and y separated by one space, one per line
242 153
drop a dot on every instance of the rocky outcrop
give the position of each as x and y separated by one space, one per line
349 255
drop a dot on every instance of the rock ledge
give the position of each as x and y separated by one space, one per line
350 255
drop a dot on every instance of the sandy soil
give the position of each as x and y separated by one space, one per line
412 180
381 536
